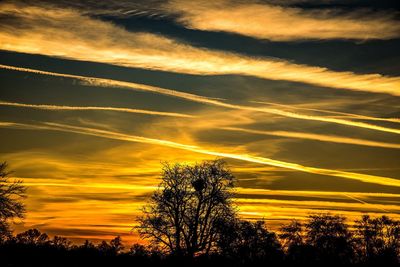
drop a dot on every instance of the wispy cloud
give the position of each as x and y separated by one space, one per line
343 114
283 23
318 137
63 108
205 100
328 194
101 41
194 148
318 205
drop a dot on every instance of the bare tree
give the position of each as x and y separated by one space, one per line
248 242
330 235
292 234
61 242
189 202
32 237
11 207
114 247
378 239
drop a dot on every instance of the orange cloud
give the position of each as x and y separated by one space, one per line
318 137
95 40
193 148
283 23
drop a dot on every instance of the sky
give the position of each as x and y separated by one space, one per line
300 98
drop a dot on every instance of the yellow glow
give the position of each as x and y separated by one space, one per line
114 45
118 217
345 114
255 159
319 137
279 23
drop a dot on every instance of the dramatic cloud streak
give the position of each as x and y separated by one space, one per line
128 110
283 23
344 114
244 157
205 100
318 137
99 41
327 194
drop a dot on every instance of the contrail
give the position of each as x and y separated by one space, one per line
346 114
363 202
193 148
94 81
202 99
128 110
318 137
283 192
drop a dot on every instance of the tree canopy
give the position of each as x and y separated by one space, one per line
191 200
11 205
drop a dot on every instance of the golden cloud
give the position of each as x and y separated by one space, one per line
283 23
79 37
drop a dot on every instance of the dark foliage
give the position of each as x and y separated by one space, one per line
11 206
324 240
248 243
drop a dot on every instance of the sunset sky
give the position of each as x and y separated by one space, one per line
301 98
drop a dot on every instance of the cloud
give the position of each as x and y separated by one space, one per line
193 148
318 137
202 99
283 23
317 205
76 36
326 194
343 114
63 108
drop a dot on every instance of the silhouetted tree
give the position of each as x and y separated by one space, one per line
60 242
330 236
292 234
182 213
11 193
32 237
298 251
87 245
238 243
378 239
248 242
138 250
228 233
116 245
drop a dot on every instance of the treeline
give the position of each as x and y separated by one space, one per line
324 239
192 219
